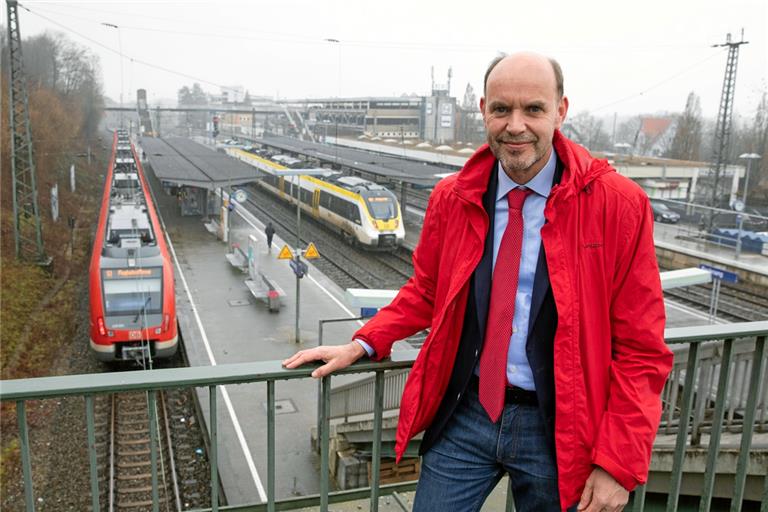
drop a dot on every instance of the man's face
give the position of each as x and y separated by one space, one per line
522 110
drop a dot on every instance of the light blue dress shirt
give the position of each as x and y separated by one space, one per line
518 370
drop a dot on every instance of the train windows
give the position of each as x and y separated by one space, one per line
353 213
381 207
132 296
325 199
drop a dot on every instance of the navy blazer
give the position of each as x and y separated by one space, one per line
541 332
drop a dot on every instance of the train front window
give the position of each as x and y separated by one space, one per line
382 208
132 296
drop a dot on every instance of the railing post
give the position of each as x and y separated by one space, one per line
271 446
214 459
378 414
319 382
764 500
749 420
323 438
90 425
26 464
717 426
638 503
682 432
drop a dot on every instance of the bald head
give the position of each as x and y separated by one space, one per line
526 62
522 107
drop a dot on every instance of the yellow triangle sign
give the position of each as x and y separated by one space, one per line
311 252
285 254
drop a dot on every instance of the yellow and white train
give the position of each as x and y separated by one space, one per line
365 213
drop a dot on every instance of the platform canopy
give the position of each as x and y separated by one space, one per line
185 162
391 167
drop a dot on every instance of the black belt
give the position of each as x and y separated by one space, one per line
512 394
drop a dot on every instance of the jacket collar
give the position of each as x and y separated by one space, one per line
579 170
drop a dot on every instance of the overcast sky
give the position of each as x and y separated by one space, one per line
624 57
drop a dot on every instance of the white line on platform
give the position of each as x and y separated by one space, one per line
224 393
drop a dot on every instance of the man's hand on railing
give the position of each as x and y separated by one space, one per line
335 357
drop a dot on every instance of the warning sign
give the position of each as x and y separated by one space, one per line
285 254
311 252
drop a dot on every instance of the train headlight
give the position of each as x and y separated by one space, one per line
158 330
166 322
102 329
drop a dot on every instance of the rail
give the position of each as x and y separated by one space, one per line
22 390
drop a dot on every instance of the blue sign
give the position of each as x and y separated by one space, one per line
721 274
299 268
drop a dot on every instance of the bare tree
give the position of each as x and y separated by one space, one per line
588 131
629 131
686 144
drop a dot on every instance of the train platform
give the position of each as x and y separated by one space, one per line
666 238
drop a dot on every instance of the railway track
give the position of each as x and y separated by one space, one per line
129 455
734 304
348 266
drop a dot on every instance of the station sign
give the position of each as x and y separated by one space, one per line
285 254
132 273
721 274
299 268
311 252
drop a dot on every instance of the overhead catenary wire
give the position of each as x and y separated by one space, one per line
294 38
658 84
122 55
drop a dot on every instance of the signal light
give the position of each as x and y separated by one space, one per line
100 324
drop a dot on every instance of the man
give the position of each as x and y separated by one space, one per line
536 273
270 232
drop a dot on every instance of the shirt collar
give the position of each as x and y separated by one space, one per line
541 183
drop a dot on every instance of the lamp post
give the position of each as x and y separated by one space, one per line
120 52
297 263
338 92
748 157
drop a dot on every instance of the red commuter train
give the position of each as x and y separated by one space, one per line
132 295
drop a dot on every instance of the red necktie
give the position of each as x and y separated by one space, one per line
493 360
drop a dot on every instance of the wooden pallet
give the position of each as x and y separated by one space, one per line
392 473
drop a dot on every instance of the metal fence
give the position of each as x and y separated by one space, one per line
728 229
88 386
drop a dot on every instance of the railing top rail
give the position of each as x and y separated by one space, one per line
240 373
715 332
262 371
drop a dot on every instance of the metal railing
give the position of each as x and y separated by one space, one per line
23 390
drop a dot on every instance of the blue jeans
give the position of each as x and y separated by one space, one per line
472 454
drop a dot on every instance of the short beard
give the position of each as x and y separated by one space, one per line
515 163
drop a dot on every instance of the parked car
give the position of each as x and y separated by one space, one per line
662 213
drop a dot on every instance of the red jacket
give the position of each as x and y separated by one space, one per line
611 360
